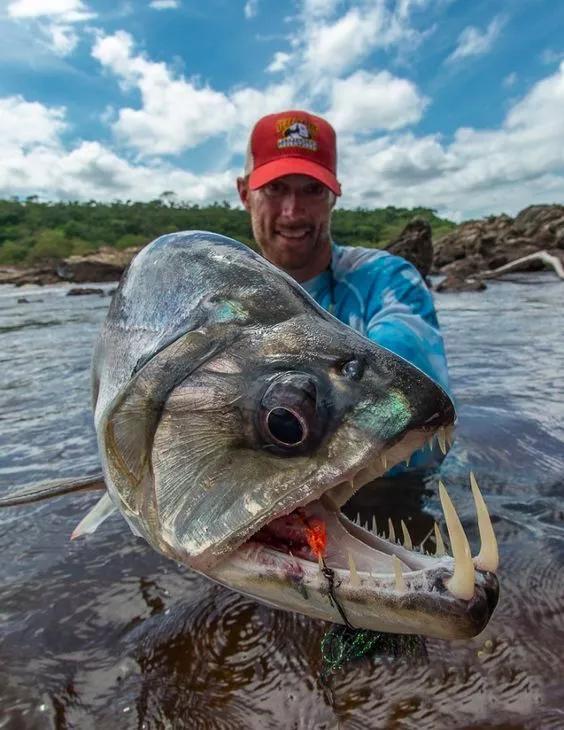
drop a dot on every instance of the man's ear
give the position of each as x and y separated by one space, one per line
243 190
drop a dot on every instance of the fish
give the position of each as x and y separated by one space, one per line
235 417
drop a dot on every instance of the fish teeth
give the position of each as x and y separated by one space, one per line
441 436
392 537
440 546
461 584
384 461
400 580
488 557
449 435
374 525
407 543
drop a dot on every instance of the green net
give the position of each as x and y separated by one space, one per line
341 646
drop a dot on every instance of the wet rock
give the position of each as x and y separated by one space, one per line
415 244
80 291
23 300
37 276
483 245
464 267
457 284
106 264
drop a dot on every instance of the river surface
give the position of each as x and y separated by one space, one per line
104 633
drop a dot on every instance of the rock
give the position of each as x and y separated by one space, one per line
106 264
462 268
80 291
483 245
23 300
415 245
458 284
38 276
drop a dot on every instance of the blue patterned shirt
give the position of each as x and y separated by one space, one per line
385 299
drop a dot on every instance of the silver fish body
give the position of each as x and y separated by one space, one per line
234 415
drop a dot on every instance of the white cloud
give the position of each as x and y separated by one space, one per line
279 62
319 8
164 4
334 47
474 173
251 9
34 160
326 43
68 11
366 102
510 80
26 124
475 42
62 16
177 113
63 39
479 172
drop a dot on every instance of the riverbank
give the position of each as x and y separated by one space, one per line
464 258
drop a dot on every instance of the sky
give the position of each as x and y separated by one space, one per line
449 104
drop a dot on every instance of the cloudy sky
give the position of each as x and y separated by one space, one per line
450 104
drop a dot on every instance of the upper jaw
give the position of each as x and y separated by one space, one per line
337 485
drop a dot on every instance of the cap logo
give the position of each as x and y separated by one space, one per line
296 132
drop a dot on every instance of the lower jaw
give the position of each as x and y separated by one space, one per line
278 581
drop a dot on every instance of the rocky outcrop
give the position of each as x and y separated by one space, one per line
81 291
39 275
488 244
415 244
106 264
458 284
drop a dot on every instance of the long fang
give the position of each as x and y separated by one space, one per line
461 585
488 557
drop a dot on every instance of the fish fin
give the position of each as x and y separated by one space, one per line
90 522
46 490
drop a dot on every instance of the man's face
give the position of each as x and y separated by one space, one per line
291 219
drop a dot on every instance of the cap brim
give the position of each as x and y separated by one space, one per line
293 166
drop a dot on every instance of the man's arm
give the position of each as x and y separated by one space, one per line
400 315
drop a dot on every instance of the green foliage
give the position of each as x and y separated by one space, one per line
50 244
32 232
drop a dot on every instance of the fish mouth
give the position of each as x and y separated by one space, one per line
378 582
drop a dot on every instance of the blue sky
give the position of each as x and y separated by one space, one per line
450 104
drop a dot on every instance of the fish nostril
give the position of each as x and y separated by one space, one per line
353 369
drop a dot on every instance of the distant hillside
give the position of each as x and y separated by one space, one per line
31 232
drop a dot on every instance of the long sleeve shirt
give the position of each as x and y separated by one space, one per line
385 299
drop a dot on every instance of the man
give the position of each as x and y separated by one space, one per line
289 189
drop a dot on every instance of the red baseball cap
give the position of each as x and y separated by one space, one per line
294 142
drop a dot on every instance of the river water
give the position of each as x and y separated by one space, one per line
103 632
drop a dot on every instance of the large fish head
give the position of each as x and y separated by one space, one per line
235 445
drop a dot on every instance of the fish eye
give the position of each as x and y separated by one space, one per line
352 369
288 414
